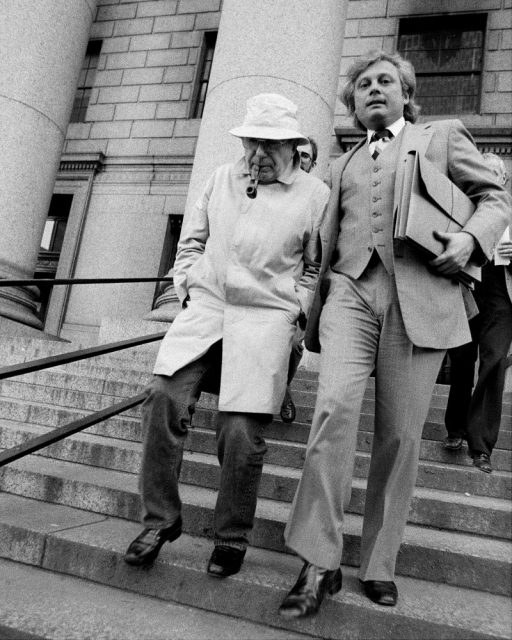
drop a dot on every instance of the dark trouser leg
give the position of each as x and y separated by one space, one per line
241 447
166 416
462 374
495 338
296 354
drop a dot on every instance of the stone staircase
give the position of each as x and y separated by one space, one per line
73 508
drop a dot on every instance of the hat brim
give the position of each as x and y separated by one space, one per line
268 133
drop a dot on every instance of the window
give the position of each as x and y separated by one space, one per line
203 75
86 81
447 54
51 246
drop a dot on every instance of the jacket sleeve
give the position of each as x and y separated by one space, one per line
470 172
194 234
306 284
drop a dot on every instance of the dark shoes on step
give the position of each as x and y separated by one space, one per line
225 561
288 411
308 592
482 461
381 591
146 546
453 443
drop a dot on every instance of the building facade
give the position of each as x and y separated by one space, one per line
141 100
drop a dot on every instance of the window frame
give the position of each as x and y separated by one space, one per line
466 22
93 50
195 98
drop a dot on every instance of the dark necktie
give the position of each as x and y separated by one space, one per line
381 138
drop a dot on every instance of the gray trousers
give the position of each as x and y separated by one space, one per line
166 415
361 327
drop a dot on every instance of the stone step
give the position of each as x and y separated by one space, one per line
138 359
99 447
430 507
95 400
88 610
475 561
63 378
74 542
127 426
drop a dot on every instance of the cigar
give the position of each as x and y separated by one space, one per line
252 189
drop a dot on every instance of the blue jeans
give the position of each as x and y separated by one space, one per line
166 416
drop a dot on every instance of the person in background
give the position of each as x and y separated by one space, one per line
308 154
245 271
494 339
463 359
380 305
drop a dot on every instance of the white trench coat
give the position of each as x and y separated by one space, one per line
248 267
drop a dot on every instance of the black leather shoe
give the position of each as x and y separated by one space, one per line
381 591
146 546
453 443
225 561
288 411
308 592
482 461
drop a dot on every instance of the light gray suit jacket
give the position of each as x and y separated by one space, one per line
432 306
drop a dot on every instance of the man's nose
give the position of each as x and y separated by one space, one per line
260 150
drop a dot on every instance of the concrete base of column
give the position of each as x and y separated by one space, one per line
19 304
12 328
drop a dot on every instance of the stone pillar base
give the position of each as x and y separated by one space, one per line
10 327
19 304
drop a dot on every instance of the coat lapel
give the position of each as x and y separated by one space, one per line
329 230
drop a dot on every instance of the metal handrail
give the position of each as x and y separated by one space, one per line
4 282
72 356
34 444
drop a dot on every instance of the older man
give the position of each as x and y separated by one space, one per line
383 307
245 272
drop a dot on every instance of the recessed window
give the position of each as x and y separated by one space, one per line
86 81
203 74
447 54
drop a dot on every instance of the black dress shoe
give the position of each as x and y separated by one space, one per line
288 411
308 592
453 443
146 546
482 461
381 591
225 561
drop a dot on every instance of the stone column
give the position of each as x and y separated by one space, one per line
42 47
291 47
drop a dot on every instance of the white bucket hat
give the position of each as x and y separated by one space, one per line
270 117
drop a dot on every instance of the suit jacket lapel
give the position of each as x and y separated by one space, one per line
329 231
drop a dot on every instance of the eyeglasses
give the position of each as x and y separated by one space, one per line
268 146
305 155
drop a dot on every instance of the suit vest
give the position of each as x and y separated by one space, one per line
366 216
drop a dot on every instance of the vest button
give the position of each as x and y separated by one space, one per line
375 169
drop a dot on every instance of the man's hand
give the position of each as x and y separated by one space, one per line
458 248
505 249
